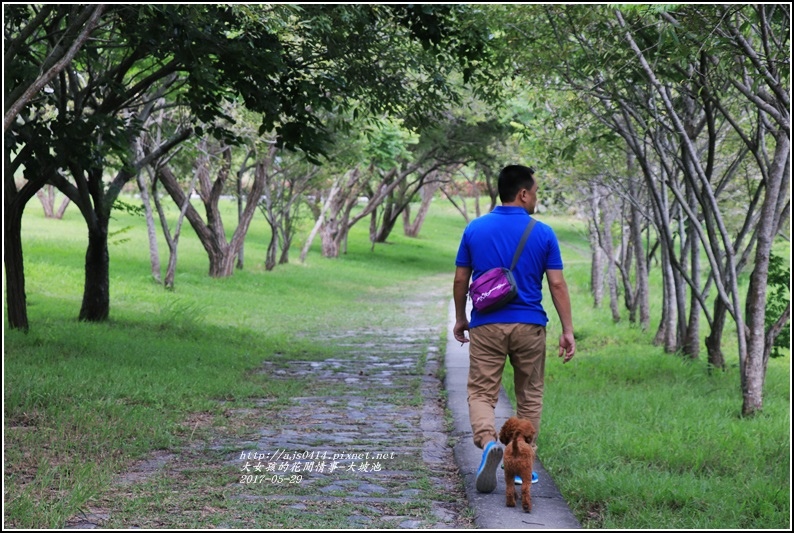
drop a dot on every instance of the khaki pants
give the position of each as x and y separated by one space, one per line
525 344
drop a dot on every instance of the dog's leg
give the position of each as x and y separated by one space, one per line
510 491
526 497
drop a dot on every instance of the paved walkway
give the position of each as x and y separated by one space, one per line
549 509
364 444
378 427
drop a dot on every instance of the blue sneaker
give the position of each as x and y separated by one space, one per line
519 481
486 473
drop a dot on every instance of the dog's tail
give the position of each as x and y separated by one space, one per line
515 445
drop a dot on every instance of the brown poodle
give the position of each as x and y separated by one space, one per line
516 434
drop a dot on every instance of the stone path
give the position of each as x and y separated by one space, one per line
364 445
378 442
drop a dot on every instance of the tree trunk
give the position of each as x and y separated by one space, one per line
597 269
173 241
661 331
96 293
16 301
608 247
399 199
716 358
626 255
330 238
272 249
46 196
14 202
241 253
755 364
170 271
222 254
596 265
215 245
95 204
643 289
344 206
62 208
319 223
461 207
154 254
680 282
286 244
336 222
692 339
388 222
667 333
428 191
752 391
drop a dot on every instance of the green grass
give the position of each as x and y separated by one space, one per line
634 437
637 438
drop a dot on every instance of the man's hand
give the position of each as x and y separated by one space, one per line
461 326
460 289
562 302
567 346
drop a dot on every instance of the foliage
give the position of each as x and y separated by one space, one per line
387 143
126 207
287 63
778 298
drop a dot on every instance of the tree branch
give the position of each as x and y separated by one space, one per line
36 86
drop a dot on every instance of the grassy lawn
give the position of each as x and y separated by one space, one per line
635 438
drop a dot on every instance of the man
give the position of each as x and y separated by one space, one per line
517 330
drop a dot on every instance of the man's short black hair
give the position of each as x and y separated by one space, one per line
512 179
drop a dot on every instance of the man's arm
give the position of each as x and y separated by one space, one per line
562 302
460 290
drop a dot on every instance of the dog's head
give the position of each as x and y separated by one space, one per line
516 427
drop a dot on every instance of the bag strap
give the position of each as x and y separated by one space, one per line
522 242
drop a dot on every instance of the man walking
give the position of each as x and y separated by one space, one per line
517 330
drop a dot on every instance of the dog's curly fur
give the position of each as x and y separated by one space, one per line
519 456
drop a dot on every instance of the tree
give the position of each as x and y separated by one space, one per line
153 137
46 196
583 166
217 158
427 193
39 42
285 186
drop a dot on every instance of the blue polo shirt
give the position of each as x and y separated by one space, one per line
490 241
